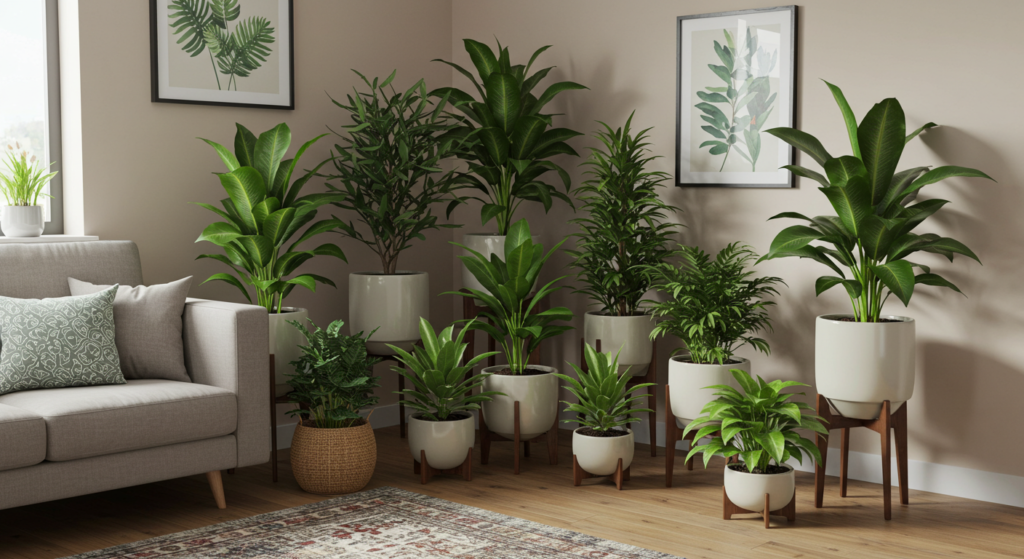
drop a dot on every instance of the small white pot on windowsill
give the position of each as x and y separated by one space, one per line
22 221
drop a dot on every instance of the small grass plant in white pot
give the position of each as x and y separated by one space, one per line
22 184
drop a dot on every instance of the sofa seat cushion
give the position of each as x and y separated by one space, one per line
22 438
98 420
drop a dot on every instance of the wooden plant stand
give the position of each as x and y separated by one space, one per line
673 434
888 424
426 471
579 474
729 508
650 377
487 437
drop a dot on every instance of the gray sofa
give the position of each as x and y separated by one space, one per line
63 442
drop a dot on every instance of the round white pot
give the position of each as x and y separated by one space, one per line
628 335
285 342
688 380
447 443
600 455
747 490
486 244
859 365
392 303
22 221
538 402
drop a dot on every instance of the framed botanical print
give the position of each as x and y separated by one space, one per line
222 52
736 79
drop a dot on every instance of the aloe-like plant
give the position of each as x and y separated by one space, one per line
624 228
263 212
513 324
872 234
442 384
759 425
605 402
23 182
511 140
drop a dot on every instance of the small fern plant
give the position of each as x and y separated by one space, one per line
605 402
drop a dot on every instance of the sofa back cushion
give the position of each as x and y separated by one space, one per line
37 271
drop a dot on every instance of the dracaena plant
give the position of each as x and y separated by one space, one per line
872 235
713 306
759 425
624 229
605 402
510 137
442 384
23 182
512 322
389 168
263 213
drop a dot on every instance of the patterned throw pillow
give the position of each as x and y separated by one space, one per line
54 343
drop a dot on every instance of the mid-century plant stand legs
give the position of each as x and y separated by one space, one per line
426 471
579 474
888 425
650 377
673 434
729 509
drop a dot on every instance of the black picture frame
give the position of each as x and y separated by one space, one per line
793 19
155 67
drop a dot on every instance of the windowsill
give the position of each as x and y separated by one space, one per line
49 239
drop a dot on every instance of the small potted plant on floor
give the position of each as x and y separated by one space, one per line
443 430
389 174
602 445
865 358
21 185
333 449
622 232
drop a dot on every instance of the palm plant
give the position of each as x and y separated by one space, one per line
871 236
623 230
442 385
262 214
510 139
605 402
24 181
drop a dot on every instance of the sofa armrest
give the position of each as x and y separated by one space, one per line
226 345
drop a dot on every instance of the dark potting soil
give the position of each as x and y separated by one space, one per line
686 359
530 371
772 469
457 416
591 432
851 319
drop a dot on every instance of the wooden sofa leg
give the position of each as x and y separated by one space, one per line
217 486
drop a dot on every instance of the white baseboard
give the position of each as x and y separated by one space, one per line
383 416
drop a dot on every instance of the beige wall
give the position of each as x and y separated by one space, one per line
943 64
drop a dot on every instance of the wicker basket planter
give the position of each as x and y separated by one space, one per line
333 461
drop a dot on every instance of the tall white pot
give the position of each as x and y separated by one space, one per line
628 335
285 342
486 244
747 490
687 382
392 303
447 443
600 455
538 402
22 221
859 365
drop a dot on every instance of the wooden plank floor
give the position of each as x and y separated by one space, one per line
685 520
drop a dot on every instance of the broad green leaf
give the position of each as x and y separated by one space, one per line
555 89
503 99
941 173
258 248
219 233
793 238
848 117
245 146
805 172
882 135
526 136
914 134
841 169
246 189
270 149
852 203
935 280
898 276
229 159
496 144
232 280
482 56
803 142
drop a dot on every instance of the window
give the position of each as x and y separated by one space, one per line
30 96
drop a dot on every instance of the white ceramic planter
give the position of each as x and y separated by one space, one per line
859 365
538 402
747 490
392 303
600 455
688 380
628 335
285 340
22 221
486 244
447 443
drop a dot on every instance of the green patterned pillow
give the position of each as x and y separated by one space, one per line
54 343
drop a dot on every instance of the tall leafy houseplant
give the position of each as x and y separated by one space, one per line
511 138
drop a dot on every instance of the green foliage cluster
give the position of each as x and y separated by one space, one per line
605 402
23 182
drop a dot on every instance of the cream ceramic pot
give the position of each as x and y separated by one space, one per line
538 402
392 303
447 443
859 365
628 335
486 244
747 490
285 342
688 380
600 455
22 221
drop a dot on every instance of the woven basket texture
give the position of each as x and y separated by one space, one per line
333 461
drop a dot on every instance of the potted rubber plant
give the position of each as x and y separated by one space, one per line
333 449
518 330
603 438
388 171
760 427
265 219
714 306
511 140
623 231
867 357
21 185
443 395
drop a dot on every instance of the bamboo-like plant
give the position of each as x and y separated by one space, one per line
624 228
23 182
871 236
605 402
510 140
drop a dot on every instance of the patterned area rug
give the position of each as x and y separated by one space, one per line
383 522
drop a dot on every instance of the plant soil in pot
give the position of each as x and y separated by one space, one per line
390 303
536 390
689 382
630 336
333 461
285 344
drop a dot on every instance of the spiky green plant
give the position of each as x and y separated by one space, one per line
23 182
605 402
